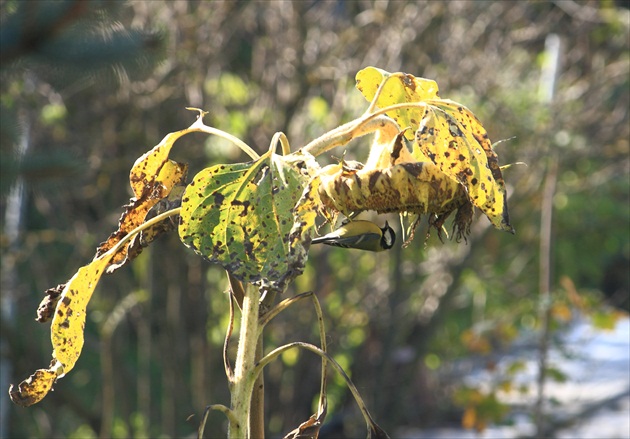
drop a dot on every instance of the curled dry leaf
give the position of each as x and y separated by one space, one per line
308 429
48 304
152 178
147 236
34 388
149 192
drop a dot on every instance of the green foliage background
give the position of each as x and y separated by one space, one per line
398 321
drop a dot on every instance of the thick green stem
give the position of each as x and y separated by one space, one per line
244 371
257 414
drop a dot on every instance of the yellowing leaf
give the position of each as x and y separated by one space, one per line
66 332
152 179
446 133
69 319
241 216
399 88
389 149
305 213
34 388
155 189
148 168
150 234
454 139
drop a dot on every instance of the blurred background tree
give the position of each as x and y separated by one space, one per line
87 87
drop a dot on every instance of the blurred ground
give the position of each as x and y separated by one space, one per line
593 402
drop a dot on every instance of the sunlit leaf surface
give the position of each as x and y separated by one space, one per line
241 216
447 134
152 178
34 388
400 88
66 333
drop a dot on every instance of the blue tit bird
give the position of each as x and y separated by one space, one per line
364 235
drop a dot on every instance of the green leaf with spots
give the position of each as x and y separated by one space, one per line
241 216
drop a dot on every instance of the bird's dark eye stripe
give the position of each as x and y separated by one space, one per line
388 238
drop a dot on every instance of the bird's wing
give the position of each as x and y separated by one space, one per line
346 242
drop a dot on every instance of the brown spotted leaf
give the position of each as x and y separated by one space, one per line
454 139
66 332
241 216
148 167
445 133
151 191
34 388
69 319
399 88
152 178
150 234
